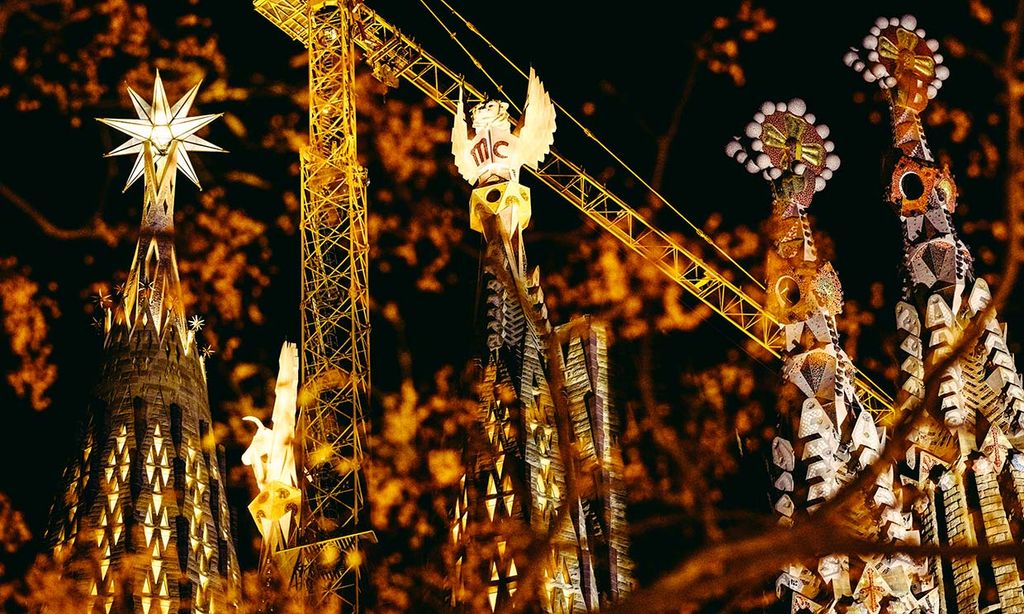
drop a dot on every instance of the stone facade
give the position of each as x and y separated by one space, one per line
525 444
143 522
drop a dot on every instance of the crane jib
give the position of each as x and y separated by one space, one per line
391 55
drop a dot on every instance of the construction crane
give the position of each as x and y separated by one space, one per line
335 320
334 264
393 56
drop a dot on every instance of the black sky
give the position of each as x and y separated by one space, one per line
630 60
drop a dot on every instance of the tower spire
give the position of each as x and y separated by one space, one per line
826 437
142 523
955 467
897 55
538 378
161 138
489 157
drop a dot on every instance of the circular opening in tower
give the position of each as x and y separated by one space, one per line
493 196
911 186
788 291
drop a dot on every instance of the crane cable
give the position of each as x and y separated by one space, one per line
586 131
472 58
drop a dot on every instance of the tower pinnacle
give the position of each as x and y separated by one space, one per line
142 523
161 138
490 156
162 135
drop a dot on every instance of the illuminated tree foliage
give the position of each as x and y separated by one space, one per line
698 407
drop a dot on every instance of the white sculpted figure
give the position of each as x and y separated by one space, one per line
493 151
270 454
257 455
272 458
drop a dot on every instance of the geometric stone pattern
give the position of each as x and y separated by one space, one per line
143 522
828 436
964 458
516 480
997 531
960 532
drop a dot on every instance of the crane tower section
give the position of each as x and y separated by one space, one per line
335 350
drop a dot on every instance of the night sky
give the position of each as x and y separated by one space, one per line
624 63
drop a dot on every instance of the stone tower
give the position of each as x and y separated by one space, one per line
958 479
826 436
539 520
142 522
965 462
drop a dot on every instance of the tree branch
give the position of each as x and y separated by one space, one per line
96 229
665 139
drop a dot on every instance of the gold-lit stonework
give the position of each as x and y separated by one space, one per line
828 435
537 379
957 481
143 523
965 461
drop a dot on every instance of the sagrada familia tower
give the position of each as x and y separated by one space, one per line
960 480
544 464
142 522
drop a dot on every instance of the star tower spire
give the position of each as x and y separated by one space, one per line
161 139
142 523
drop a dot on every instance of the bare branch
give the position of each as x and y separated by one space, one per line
666 138
96 228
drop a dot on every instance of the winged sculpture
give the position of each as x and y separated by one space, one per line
270 454
492 150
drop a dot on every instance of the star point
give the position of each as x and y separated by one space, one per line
196 323
161 125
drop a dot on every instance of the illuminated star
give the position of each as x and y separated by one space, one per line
162 125
207 351
195 322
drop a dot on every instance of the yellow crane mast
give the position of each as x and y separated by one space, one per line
335 348
334 253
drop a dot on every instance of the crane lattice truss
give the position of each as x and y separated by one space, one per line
392 55
335 306
334 245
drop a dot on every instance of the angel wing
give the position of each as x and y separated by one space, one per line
461 144
536 129
286 390
282 458
260 447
